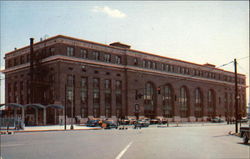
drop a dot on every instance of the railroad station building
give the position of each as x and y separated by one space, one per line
93 80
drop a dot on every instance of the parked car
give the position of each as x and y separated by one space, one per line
93 123
109 124
154 121
217 120
245 134
141 123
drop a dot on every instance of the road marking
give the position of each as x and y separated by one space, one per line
124 150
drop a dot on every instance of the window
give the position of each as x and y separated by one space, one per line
21 59
149 100
70 51
84 97
183 102
167 101
163 67
107 57
149 64
118 98
135 61
153 65
144 64
96 97
15 61
198 103
108 98
118 59
9 63
96 55
52 51
28 57
70 80
84 53
167 68
211 103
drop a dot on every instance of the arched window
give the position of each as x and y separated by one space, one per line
211 103
198 103
149 100
183 102
167 102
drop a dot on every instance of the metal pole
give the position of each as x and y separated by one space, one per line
65 126
236 96
71 127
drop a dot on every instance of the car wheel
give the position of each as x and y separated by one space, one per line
245 138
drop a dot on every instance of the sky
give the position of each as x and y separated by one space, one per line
213 32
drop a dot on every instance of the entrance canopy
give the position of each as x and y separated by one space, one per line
55 106
12 105
35 106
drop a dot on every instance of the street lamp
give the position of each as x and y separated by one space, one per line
72 97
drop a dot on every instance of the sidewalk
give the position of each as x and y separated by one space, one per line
49 128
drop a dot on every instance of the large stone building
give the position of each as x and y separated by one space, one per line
110 81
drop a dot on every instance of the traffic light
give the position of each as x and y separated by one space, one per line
159 90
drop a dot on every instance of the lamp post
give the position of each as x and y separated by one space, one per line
72 99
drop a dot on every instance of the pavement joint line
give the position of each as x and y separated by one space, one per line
124 150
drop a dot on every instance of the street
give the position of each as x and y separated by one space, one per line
196 142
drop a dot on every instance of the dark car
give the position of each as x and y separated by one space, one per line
154 121
109 124
93 123
141 123
217 120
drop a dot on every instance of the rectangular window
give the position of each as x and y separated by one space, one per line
84 97
70 80
163 67
10 63
84 53
52 51
70 51
118 59
15 61
96 55
144 64
108 98
149 64
118 98
21 59
153 65
135 61
96 97
28 57
107 57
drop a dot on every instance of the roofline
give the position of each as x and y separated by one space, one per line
142 52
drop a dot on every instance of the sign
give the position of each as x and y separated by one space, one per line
137 108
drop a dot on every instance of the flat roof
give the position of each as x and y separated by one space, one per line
110 46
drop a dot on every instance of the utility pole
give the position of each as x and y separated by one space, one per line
236 96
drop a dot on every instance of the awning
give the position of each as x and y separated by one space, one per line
55 106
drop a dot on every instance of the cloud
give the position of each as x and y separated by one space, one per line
115 13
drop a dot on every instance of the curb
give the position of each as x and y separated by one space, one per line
24 131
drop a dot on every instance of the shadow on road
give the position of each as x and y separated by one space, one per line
248 144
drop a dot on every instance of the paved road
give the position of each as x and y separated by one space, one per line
201 142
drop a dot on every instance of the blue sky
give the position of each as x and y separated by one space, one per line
209 31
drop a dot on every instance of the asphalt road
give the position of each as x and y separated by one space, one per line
200 142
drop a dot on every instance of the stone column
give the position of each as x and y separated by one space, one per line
176 117
44 116
191 103
113 100
36 116
102 99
